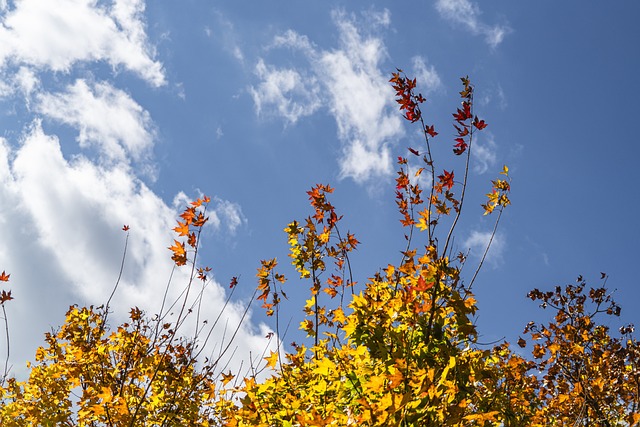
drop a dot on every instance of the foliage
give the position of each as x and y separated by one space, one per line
141 373
400 350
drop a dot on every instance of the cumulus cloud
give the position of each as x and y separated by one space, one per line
468 14
57 34
104 116
65 217
61 216
348 82
478 241
284 92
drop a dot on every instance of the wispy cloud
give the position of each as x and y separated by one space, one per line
426 74
346 80
484 154
467 14
225 32
70 212
477 243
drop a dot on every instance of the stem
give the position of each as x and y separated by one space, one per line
464 185
6 363
486 251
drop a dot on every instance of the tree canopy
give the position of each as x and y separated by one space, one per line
399 349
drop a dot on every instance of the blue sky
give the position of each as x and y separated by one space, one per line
118 112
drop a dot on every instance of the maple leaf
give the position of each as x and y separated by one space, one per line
463 114
182 229
188 215
5 296
4 277
226 378
177 248
446 179
191 241
200 220
234 282
479 124
460 147
272 359
430 131
415 152
135 314
125 228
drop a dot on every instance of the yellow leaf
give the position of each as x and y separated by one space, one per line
272 359
226 378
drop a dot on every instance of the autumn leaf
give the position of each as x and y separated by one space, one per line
226 378
182 229
446 179
178 248
4 277
234 282
5 296
460 147
272 359
479 124
125 228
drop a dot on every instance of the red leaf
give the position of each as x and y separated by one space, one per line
446 179
417 153
125 228
479 124
430 131
4 277
460 147
5 296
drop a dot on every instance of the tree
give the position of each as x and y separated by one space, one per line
590 377
141 373
399 350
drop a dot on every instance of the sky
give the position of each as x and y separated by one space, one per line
120 112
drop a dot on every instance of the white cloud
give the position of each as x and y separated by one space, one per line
293 40
361 100
62 243
27 81
56 34
477 244
105 116
484 154
285 90
468 14
347 80
61 218
495 95
426 75
227 214
226 35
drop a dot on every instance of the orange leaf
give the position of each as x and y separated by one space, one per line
4 277
182 229
178 248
